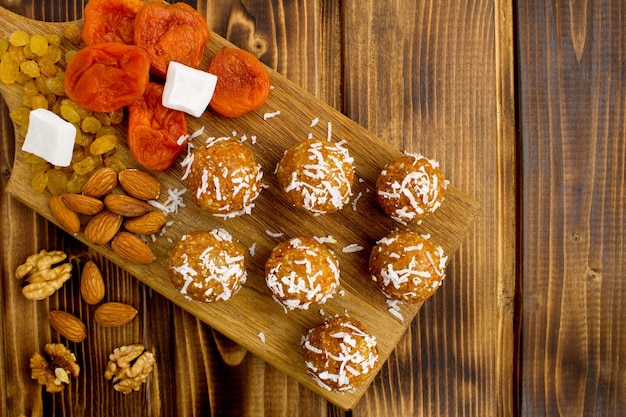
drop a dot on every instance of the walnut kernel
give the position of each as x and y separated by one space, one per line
129 367
54 368
41 276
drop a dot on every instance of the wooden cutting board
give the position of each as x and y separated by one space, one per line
252 311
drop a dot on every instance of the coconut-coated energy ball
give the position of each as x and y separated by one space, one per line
407 266
301 271
317 175
339 353
223 177
410 187
207 266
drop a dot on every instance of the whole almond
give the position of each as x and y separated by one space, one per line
132 248
67 218
140 184
91 284
83 204
102 227
68 325
114 314
125 205
100 182
148 224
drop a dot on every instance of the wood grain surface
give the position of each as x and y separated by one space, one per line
573 77
523 103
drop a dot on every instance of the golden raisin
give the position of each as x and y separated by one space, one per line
55 85
57 182
9 69
30 68
39 44
85 166
83 139
40 167
47 67
115 163
30 88
69 55
38 102
105 130
54 54
116 116
19 38
17 53
31 158
40 182
76 182
90 124
103 144
73 34
4 46
28 54
41 84
20 116
69 113
53 39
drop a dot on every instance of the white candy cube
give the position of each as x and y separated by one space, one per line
188 89
50 137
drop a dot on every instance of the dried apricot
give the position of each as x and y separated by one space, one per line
110 21
243 83
107 76
154 130
171 32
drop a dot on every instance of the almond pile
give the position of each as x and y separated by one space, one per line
108 212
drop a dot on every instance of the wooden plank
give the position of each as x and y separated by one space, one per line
437 77
457 237
572 82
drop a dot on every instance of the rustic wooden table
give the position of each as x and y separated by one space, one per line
522 104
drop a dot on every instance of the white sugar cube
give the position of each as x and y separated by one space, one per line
50 137
188 89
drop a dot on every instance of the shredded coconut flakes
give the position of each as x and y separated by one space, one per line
270 115
353 247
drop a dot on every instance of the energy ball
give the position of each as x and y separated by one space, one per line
317 175
223 177
207 266
301 271
339 353
407 266
410 187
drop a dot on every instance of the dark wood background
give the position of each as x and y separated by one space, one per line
523 105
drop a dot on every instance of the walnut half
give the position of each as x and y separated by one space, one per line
129 367
54 368
42 277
